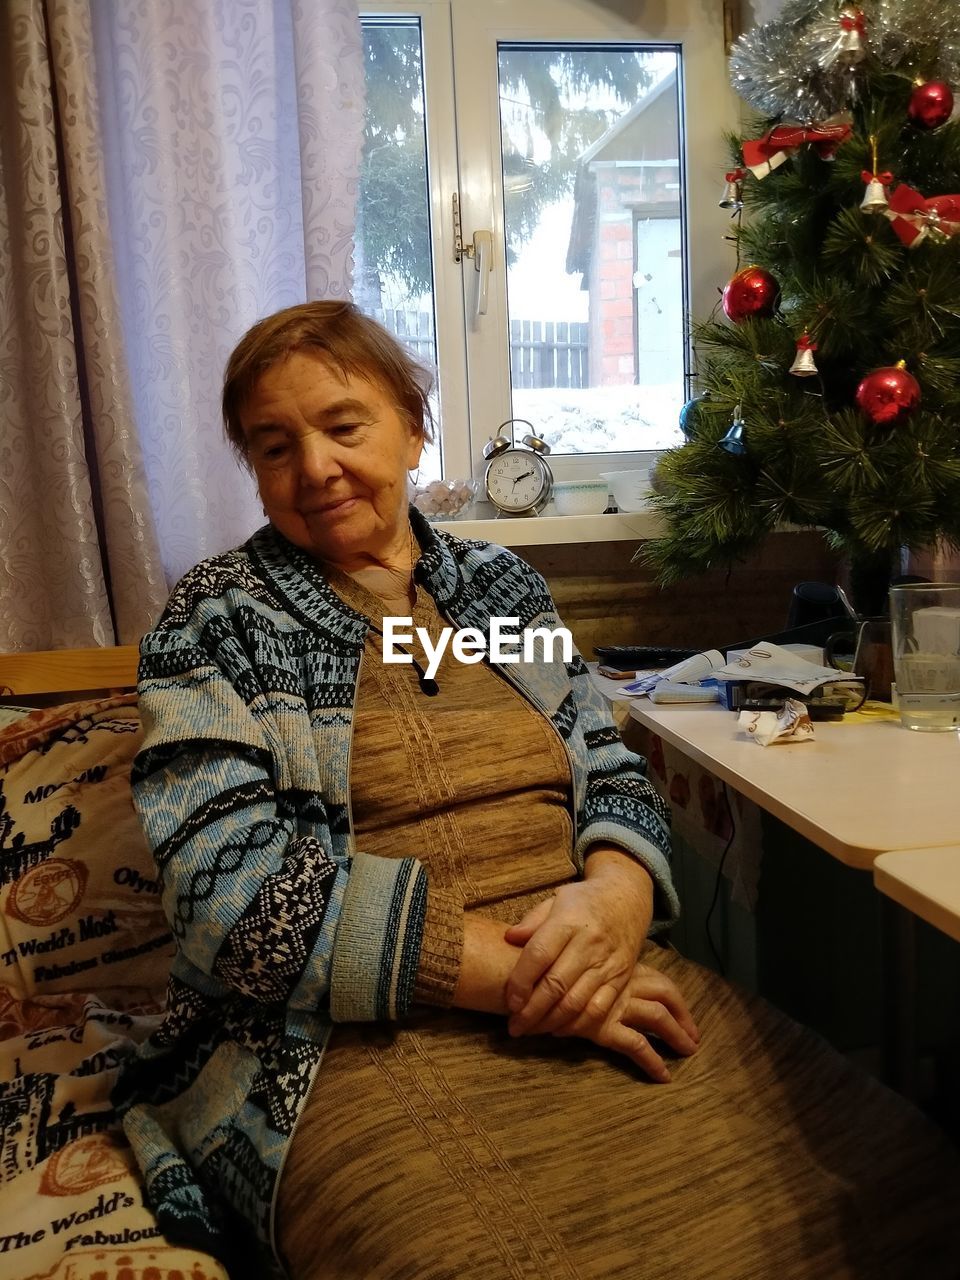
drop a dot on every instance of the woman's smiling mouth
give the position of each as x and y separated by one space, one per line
332 508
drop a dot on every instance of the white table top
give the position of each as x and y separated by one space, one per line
926 882
862 786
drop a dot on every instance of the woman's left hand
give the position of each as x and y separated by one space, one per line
579 946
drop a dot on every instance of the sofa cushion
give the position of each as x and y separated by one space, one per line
84 953
80 1215
79 899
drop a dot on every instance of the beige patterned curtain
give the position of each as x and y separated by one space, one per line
170 171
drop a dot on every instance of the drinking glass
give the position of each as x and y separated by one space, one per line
866 646
925 623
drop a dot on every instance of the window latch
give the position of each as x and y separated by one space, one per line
480 249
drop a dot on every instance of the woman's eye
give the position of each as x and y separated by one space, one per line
274 452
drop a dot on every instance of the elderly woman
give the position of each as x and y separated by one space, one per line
388 890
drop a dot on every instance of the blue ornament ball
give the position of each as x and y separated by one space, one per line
690 416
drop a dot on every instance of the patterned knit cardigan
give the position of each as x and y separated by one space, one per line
283 927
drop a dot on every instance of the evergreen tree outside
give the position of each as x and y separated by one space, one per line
557 92
859 290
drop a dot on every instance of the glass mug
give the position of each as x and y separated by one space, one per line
926 654
871 646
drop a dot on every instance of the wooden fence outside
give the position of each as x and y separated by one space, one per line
543 353
548 353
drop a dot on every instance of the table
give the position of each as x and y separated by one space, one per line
863 789
926 882
863 786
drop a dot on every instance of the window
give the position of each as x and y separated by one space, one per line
393 272
574 156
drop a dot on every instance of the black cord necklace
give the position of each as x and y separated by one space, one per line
427 684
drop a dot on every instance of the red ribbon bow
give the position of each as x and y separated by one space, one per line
762 155
886 177
854 22
912 216
806 343
735 175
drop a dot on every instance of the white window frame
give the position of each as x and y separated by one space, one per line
443 182
463 157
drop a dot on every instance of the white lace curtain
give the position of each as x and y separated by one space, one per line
170 171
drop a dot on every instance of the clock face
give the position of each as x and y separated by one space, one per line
517 480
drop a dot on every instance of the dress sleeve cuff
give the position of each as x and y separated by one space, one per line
441 950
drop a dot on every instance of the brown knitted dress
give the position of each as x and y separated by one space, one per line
441 1149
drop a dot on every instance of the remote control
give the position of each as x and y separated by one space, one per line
640 657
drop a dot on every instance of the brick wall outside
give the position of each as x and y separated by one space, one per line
612 294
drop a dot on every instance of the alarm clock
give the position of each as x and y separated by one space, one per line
518 480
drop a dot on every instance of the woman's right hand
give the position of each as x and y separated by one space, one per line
649 1004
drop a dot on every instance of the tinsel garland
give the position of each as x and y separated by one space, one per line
778 67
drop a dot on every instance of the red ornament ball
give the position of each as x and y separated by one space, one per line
887 395
931 104
752 292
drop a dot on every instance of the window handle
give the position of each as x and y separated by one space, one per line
480 249
483 261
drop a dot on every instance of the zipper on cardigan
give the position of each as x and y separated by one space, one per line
353 721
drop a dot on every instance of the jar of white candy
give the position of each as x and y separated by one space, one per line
444 499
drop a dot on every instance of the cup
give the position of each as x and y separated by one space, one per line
925 620
871 647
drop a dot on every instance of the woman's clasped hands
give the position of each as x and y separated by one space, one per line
578 973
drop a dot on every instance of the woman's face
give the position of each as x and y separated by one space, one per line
331 455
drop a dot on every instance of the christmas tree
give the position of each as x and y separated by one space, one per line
828 378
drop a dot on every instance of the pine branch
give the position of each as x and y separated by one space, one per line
923 454
926 293
692 546
733 142
882 519
845 457
793 494
841 317
858 243
931 161
761 342
940 373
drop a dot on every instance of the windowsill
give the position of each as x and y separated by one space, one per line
548 530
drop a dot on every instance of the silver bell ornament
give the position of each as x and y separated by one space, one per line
804 365
733 440
732 197
875 197
847 49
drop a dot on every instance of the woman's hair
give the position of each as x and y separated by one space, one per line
342 335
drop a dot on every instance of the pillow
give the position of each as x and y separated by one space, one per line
26 701
80 1215
10 715
79 898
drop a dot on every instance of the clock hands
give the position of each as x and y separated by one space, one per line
522 477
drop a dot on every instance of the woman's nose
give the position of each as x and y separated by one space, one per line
318 463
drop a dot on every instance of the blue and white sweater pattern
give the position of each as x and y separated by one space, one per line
283 926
